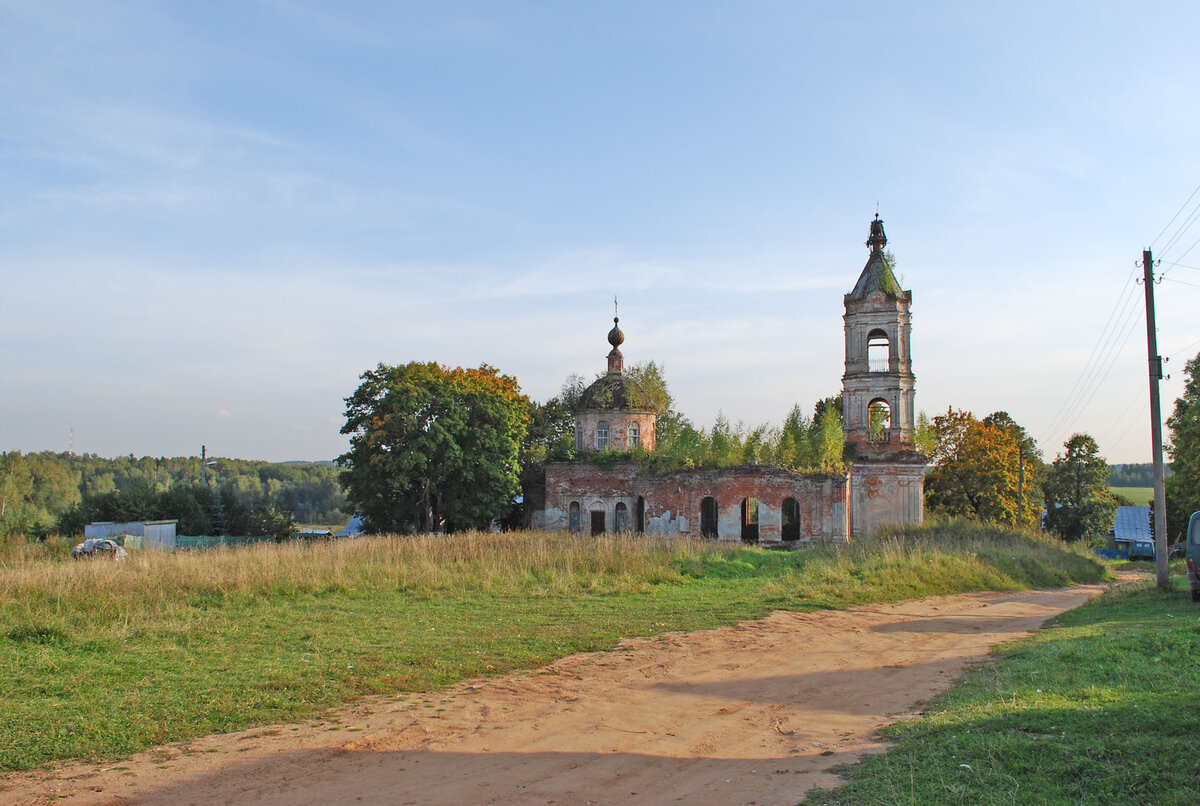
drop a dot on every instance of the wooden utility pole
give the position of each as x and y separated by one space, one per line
1160 494
1020 484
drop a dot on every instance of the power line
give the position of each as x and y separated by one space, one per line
1118 322
1138 397
1130 327
1172 221
1180 282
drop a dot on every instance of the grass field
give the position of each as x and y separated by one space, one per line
1100 706
1140 496
101 659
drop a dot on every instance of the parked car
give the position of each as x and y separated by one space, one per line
95 547
1141 550
1192 555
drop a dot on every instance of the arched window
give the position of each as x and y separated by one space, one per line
578 436
622 517
601 436
879 421
639 516
879 351
708 517
750 520
635 434
574 521
790 519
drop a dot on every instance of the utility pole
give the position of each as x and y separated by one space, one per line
1156 373
203 465
1020 484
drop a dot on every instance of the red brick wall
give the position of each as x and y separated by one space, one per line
672 501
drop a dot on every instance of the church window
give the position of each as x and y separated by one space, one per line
708 517
578 436
879 352
635 434
879 421
790 516
750 520
601 436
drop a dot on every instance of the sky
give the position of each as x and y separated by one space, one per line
214 217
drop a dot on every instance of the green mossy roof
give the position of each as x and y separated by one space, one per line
877 274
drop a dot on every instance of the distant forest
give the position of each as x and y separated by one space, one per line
37 490
1134 475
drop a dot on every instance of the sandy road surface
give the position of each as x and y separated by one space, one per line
752 714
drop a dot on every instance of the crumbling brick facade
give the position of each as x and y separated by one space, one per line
883 486
760 504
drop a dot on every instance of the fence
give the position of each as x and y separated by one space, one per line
199 542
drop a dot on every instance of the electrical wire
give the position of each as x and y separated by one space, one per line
1118 323
1172 221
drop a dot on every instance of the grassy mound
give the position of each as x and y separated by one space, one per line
102 659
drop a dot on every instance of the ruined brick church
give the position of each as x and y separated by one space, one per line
883 483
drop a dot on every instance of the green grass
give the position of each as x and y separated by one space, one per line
1140 496
1101 706
101 659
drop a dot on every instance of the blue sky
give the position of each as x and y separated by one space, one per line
215 216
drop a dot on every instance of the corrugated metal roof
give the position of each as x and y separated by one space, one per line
1132 523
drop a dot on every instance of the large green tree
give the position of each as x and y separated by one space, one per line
433 448
1078 503
1183 486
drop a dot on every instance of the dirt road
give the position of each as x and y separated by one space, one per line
753 714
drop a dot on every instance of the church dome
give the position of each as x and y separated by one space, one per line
609 392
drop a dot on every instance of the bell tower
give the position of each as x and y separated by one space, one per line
887 474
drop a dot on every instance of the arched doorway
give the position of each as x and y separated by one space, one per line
639 516
574 517
621 516
790 519
750 520
708 517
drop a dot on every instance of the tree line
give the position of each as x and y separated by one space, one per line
438 448
446 449
47 493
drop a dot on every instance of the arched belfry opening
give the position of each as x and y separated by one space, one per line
887 473
879 351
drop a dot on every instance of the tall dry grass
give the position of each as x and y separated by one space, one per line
904 563
530 563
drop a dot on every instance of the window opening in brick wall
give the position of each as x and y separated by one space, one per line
639 516
574 518
750 520
635 435
879 352
790 513
621 517
879 421
708 517
601 436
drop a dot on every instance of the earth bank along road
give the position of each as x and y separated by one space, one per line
752 714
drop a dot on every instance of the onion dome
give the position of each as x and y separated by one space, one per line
615 337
